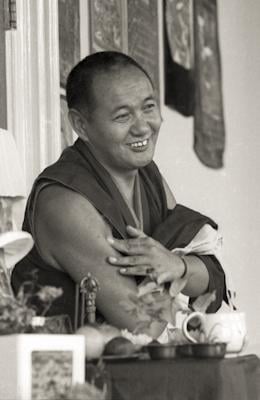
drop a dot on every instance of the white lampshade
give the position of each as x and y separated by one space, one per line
16 245
12 181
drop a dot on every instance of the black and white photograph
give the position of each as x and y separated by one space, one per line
129 199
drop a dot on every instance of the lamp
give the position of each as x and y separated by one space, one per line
14 245
12 182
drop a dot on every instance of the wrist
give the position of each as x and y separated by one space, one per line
185 267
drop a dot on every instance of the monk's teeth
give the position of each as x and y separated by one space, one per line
139 144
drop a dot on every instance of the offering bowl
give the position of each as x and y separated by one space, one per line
202 350
158 351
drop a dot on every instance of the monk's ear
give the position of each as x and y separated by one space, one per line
78 123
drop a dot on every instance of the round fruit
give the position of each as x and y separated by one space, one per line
108 332
94 342
119 346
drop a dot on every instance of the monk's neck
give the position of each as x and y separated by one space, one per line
125 183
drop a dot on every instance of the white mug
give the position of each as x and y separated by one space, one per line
228 327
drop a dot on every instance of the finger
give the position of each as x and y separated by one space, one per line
139 234
143 270
154 276
128 246
165 277
128 261
134 232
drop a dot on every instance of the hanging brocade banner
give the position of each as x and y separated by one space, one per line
178 57
177 16
69 55
143 40
209 129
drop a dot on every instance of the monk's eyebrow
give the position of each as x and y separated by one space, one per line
151 97
127 106
122 107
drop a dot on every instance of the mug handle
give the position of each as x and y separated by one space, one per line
195 314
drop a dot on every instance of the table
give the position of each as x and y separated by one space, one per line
236 378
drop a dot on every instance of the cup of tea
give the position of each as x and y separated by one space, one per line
227 327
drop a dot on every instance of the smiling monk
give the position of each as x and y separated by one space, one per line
104 207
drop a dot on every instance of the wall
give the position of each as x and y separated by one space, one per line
230 195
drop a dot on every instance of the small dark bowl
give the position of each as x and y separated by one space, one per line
202 350
158 351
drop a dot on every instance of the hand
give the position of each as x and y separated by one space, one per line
143 255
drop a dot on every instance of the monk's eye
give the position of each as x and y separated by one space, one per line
150 107
124 117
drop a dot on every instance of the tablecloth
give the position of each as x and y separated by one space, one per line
235 378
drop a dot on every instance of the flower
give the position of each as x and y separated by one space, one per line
15 316
159 304
17 312
152 306
47 294
96 387
85 391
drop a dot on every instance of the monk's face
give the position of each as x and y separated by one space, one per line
122 129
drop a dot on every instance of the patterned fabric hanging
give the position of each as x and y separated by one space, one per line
193 73
209 129
179 84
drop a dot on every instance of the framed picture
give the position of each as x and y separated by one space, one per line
40 365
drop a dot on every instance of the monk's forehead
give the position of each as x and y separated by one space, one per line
114 81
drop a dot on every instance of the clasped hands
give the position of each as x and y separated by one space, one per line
142 255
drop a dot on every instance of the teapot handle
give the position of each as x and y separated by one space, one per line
195 314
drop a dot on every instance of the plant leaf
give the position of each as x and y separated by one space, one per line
203 301
128 305
147 288
176 286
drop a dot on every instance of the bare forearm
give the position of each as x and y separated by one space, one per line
198 277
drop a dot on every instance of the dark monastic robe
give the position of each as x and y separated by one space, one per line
78 170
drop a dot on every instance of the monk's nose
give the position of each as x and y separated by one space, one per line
140 127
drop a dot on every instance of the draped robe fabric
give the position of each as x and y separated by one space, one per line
78 170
